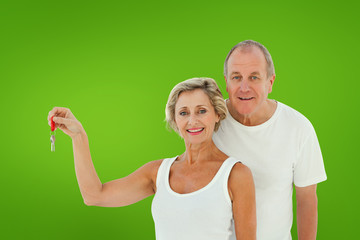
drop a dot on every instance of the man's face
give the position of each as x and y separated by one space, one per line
247 82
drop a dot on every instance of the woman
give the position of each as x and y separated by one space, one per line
200 194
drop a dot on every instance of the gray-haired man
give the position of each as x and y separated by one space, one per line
276 142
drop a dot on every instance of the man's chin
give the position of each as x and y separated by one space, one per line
242 111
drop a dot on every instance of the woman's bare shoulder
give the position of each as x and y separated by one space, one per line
153 166
152 169
240 178
240 171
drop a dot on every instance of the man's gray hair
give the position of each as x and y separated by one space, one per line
248 44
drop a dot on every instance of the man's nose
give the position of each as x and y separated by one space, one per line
244 85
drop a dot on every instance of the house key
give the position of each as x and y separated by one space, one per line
52 135
52 140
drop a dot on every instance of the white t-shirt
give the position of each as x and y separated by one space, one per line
282 151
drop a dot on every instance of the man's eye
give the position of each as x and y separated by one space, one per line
202 111
236 77
254 78
182 113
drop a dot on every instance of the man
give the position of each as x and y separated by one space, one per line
276 142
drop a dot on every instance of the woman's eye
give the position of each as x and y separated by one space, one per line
202 111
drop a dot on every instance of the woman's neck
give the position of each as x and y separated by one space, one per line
197 153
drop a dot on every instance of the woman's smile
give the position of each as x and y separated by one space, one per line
195 131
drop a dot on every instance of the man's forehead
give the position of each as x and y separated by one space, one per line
249 52
247 48
252 57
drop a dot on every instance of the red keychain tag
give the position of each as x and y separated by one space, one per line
52 134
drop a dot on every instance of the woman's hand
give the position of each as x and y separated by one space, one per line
66 121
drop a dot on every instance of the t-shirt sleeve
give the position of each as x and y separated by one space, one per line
309 167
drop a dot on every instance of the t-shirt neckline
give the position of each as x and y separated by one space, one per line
260 126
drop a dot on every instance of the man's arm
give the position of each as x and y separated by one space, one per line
306 211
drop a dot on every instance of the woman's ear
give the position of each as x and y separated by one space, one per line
217 117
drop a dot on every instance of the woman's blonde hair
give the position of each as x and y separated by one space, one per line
209 86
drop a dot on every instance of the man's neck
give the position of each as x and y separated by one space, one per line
258 117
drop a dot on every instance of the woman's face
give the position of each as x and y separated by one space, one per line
195 116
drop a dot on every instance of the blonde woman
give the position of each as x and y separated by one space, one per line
199 194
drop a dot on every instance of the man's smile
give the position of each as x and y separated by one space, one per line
246 99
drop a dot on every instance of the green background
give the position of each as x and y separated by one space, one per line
114 63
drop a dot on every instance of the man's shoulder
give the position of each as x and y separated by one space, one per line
293 116
284 117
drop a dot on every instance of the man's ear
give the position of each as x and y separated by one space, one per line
226 83
272 79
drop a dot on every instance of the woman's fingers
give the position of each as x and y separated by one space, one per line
64 120
56 111
59 111
68 126
61 120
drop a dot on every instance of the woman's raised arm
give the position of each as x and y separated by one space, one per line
121 192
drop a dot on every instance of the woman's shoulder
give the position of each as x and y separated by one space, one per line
152 170
240 175
240 169
152 167
240 181
157 163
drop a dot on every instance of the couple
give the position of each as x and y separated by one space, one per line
209 192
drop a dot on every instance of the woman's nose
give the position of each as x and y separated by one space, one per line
193 119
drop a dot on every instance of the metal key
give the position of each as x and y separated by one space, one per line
52 140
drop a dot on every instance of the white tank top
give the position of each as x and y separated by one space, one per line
204 214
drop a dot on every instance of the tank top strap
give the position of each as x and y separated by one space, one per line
228 165
163 172
225 173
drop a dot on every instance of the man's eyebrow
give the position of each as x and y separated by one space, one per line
255 73
235 73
